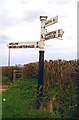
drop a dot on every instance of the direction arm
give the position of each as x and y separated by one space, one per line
30 44
51 21
54 34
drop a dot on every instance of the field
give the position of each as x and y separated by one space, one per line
60 94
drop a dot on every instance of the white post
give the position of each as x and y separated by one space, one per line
42 37
9 58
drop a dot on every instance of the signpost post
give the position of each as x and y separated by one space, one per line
41 63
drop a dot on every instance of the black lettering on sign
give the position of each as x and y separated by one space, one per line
20 46
54 20
54 32
13 46
58 31
59 35
37 46
10 46
48 22
13 43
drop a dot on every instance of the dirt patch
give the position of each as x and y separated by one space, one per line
3 88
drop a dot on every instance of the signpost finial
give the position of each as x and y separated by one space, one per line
43 18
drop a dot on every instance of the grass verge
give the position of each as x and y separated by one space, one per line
18 101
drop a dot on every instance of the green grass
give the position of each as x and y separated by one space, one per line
20 101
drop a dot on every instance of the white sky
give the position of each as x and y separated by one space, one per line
19 21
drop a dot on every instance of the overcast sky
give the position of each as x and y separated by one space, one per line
19 21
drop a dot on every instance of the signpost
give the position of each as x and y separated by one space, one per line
54 34
41 45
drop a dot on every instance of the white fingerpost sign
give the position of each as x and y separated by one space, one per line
54 34
51 21
29 44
